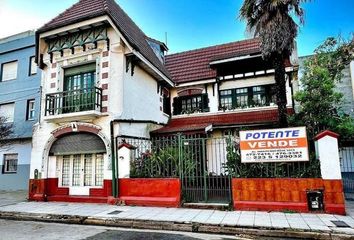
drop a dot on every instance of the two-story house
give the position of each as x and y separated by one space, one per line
19 104
222 88
102 77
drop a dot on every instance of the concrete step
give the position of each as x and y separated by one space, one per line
215 206
80 199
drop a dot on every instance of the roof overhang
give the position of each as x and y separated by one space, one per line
103 19
234 59
63 30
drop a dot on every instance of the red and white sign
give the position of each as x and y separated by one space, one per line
274 145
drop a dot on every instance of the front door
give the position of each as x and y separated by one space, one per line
80 172
204 179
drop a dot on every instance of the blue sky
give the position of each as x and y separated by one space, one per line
189 24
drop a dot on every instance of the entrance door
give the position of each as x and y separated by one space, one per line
204 179
79 172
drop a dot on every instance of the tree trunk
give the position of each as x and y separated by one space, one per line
280 81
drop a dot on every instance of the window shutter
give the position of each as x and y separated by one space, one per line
9 71
166 105
7 111
78 143
177 108
205 102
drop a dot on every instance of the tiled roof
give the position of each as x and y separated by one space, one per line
187 124
87 9
194 65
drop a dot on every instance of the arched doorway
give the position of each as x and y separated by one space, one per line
79 161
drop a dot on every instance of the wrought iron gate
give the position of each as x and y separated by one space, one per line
197 160
347 169
203 176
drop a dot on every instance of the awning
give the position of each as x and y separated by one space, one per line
220 120
78 143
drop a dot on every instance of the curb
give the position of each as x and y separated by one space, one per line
174 226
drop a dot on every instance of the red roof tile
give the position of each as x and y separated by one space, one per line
188 124
194 65
87 9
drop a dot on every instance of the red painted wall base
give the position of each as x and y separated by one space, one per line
140 192
157 192
260 194
48 190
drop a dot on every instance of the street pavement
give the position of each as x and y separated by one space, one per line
146 217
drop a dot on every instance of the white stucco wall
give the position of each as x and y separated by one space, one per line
142 101
327 151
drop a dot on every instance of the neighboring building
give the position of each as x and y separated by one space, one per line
223 88
102 78
345 86
19 103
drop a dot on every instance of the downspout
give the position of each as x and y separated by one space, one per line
113 159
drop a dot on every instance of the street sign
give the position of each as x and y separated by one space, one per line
274 145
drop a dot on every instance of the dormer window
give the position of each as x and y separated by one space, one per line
158 47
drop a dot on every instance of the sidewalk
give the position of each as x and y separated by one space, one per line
311 226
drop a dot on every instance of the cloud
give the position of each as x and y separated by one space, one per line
16 20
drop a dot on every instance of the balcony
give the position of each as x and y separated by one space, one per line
84 103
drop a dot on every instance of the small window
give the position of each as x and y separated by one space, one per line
242 97
32 66
10 163
7 111
191 104
9 71
31 110
259 96
226 99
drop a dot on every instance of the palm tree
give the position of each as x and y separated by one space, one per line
272 22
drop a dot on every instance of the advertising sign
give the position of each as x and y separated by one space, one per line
274 145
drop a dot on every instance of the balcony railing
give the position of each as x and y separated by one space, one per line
85 99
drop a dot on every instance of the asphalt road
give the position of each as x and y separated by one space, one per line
21 230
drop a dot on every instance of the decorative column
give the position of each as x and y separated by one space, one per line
125 156
327 152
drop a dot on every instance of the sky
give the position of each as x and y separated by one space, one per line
189 24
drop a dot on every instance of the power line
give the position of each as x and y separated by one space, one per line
20 98
18 91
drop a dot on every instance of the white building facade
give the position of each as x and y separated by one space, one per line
100 80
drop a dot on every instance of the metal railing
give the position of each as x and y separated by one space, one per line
79 100
205 165
179 156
